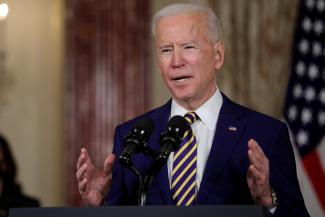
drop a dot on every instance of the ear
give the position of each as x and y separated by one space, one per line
219 54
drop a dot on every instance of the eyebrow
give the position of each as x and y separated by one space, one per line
182 44
189 42
165 46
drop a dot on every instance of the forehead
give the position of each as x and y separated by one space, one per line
182 25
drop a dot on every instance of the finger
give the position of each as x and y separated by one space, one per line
84 158
255 175
255 147
250 172
254 150
259 172
251 178
80 174
258 162
108 163
82 186
257 156
81 161
81 158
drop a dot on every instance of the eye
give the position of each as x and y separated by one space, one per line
189 47
166 50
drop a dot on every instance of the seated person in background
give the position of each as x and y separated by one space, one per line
10 192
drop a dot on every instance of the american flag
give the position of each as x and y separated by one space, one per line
305 102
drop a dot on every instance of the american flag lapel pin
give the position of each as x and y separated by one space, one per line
231 128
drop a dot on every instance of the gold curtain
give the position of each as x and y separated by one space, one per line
258 37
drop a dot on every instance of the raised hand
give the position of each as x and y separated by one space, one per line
93 184
258 174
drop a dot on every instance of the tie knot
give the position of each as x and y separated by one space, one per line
191 117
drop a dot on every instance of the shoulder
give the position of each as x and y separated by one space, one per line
249 116
263 128
15 197
269 132
28 201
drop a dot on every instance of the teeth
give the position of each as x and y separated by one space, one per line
179 80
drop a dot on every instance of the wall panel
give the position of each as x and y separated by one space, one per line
107 74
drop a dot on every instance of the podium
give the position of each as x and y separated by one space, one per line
137 211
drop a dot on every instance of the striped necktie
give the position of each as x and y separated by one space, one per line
184 167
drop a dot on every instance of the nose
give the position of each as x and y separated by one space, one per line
177 61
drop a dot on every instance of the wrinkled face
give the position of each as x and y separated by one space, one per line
187 58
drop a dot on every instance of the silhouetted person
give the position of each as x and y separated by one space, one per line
11 194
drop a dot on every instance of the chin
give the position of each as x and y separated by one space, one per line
183 97
183 91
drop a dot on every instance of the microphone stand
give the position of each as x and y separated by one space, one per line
144 190
141 183
147 181
152 172
144 183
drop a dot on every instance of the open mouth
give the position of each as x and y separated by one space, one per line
181 78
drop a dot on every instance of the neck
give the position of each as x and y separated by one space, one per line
193 104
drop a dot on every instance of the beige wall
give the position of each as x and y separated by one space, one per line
31 111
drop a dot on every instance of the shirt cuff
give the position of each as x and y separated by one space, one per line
271 210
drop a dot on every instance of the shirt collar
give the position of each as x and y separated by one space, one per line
208 112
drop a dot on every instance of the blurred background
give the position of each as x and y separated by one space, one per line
72 70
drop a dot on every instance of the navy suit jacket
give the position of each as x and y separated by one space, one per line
225 177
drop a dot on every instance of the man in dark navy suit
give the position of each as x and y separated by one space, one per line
242 157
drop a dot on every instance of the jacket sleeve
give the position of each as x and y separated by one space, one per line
283 177
117 194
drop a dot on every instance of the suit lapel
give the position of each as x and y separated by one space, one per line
161 121
228 131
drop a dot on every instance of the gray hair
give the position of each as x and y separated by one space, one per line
214 27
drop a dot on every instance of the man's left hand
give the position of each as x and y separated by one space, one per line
258 174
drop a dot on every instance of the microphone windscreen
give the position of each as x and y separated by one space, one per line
146 124
180 123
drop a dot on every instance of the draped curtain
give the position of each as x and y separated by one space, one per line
258 38
107 75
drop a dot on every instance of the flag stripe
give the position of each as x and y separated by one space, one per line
315 171
305 102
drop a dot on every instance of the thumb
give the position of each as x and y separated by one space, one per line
108 163
250 172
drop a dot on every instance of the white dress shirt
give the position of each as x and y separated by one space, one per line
203 130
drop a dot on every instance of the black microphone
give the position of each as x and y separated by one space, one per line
136 140
171 139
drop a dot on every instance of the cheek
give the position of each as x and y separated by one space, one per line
199 58
191 58
163 62
208 63
164 75
204 68
164 67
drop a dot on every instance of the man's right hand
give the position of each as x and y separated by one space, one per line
93 184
